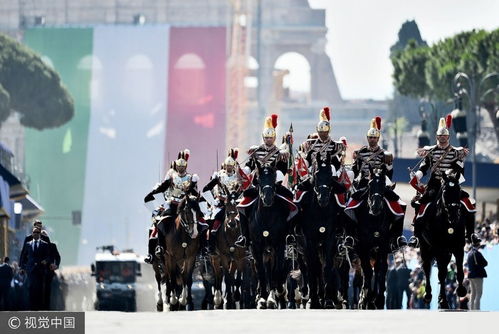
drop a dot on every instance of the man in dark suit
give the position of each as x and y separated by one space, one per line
6 274
44 236
55 260
35 261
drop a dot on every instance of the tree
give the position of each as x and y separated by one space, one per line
404 103
474 52
31 88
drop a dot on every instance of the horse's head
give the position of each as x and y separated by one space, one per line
451 195
187 215
266 184
377 184
230 203
323 176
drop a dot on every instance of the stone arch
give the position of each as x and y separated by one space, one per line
297 79
189 79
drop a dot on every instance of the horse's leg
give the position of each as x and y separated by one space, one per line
262 292
237 282
158 277
229 285
366 293
381 268
459 255
426 259
218 275
282 274
304 288
271 265
314 273
442 263
185 282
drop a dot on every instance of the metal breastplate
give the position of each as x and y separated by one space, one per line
180 185
230 181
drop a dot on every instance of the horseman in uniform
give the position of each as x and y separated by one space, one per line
439 159
164 200
267 154
215 194
322 143
371 157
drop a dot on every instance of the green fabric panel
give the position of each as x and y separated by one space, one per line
55 158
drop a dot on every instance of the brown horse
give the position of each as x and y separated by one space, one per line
228 260
182 245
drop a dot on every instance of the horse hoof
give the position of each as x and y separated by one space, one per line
291 305
271 304
159 307
315 305
261 305
328 304
461 291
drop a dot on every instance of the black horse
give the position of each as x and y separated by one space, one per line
375 230
182 245
443 235
320 222
268 227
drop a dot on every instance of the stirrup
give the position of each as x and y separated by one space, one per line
290 239
474 239
241 241
149 259
159 252
413 242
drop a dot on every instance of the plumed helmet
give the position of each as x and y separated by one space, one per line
183 157
269 126
444 126
231 157
324 120
375 129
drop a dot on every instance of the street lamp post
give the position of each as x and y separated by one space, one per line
429 123
475 98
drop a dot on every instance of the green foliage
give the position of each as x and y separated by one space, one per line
429 72
31 88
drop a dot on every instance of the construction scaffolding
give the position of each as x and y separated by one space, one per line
239 29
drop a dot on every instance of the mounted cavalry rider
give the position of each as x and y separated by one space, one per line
439 159
164 200
267 154
367 159
321 143
215 192
371 156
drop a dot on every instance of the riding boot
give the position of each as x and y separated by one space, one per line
151 246
244 237
203 243
160 248
469 224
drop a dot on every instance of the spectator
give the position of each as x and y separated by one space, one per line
403 276
476 274
6 274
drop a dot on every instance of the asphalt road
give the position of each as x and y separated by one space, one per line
292 321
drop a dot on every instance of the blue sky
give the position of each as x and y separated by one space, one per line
362 31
